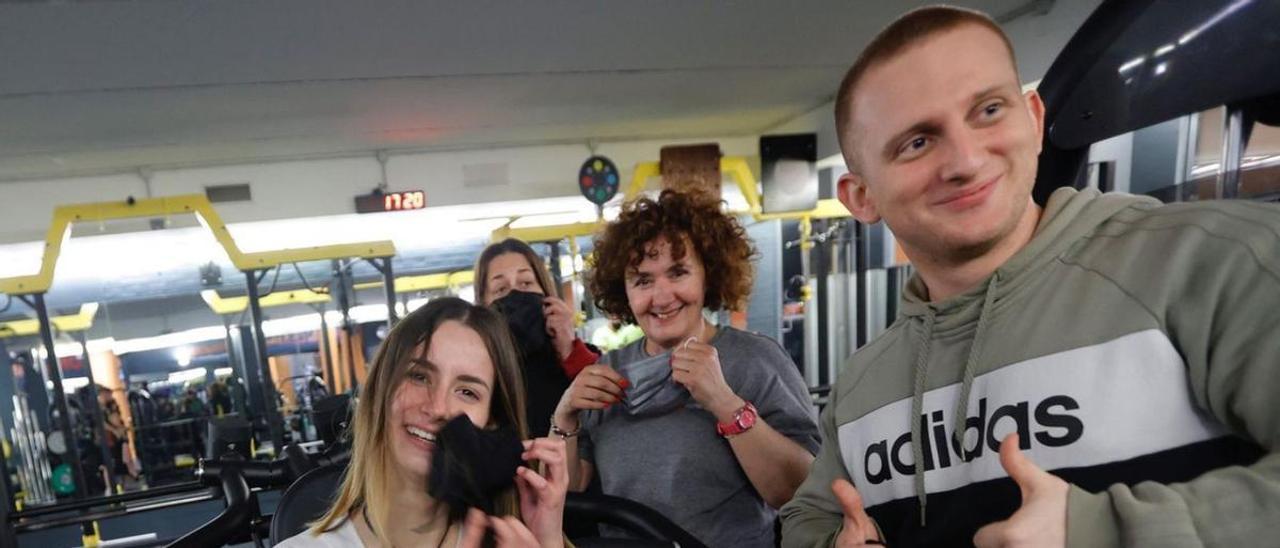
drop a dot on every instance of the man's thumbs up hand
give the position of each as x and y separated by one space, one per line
858 528
1042 519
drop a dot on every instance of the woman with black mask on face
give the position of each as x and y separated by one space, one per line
512 278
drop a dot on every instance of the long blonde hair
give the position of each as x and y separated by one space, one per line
366 483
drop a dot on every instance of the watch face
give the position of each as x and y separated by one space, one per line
748 418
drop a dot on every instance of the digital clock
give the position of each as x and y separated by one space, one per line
391 201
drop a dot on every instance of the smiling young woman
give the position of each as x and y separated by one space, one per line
447 359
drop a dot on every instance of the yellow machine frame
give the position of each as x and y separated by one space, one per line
197 204
81 321
735 166
410 284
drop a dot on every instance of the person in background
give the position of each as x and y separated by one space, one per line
219 398
116 431
511 276
711 426
614 335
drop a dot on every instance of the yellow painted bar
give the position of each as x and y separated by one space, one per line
644 171
549 233
81 321
363 250
197 204
738 169
410 284
828 208
234 305
735 166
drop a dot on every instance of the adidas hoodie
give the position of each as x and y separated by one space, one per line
1135 348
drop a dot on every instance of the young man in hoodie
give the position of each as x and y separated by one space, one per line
1129 348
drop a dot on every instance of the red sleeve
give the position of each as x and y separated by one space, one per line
578 359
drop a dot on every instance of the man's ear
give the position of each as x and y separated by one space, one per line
1035 108
852 190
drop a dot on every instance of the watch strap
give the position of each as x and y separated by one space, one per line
743 419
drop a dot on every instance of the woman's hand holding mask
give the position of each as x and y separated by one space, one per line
542 495
541 503
508 532
559 325
596 387
696 366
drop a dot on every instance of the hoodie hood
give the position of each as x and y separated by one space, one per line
1068 216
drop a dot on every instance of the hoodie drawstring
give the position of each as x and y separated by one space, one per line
962 406
917 400
975 352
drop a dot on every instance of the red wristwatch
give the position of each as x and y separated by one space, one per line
743 419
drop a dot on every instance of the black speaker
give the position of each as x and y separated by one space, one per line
788 172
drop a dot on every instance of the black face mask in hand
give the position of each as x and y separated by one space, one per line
523 312
471 466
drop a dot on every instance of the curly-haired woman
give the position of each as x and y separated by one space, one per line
709 425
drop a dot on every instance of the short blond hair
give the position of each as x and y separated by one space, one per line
909 29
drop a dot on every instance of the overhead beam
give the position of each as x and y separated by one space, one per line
196 204
427 282
236 305
81 321
735 167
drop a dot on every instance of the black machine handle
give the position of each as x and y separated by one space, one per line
234 520
630 515
236 476
266 475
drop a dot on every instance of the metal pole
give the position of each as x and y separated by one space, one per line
556 275
274 421
7 535
893 292
59 398
324 347
389 285
237 366
1228 183
812 361
861 260
344 304
821 269
246 364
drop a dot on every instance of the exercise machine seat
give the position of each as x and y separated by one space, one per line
652 528
305 501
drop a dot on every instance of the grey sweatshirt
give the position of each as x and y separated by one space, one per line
1134 348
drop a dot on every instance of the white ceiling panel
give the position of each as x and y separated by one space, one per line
109 86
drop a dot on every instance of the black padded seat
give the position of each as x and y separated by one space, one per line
305 501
